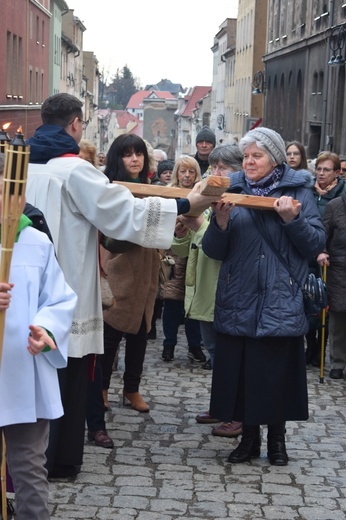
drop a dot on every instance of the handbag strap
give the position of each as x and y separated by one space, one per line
262 230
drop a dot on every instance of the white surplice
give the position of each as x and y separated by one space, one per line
77 200
29 386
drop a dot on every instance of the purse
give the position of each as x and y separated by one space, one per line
315 295
167 264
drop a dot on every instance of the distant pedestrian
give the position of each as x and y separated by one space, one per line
205 143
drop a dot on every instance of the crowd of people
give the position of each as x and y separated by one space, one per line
227 283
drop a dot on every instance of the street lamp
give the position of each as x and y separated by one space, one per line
259 85
337 41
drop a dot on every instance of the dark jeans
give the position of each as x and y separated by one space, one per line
135 348
172 316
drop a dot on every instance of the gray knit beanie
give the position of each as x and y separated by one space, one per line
206 134
267 139
165 165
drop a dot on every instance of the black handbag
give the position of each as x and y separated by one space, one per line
315 295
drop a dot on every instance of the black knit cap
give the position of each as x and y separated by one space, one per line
206 134
165 165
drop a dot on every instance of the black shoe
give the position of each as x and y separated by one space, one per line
249 447
64 471
277 454
168 353
276 444
336 373
207 365
196 354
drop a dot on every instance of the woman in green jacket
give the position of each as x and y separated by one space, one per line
202 272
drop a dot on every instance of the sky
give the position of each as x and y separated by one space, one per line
156 40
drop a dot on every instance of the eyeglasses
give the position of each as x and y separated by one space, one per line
84 123
324 170
293 153
343 170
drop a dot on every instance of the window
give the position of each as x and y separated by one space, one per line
36 87
320 82
30 86
37 29
314 83
9 60
14 65
303 12
277 20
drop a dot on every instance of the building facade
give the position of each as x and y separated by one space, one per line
41 53
24 63
305 95
250 47
223 61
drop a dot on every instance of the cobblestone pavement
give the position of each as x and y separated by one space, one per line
165 466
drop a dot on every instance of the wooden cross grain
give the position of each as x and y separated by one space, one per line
212 185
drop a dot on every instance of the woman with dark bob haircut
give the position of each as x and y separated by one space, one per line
124 146
133 275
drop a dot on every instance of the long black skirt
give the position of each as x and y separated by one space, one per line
259 381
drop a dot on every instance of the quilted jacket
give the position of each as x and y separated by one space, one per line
256 296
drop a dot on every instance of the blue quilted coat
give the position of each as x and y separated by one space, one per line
256 296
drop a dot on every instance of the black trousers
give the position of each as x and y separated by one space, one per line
135 348
66 439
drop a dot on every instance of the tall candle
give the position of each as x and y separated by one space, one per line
4 137
16 163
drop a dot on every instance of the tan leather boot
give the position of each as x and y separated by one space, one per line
136 401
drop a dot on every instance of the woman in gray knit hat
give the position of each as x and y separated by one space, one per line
259 373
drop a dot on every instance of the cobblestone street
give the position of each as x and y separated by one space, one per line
165 466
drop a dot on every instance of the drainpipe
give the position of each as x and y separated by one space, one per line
326 83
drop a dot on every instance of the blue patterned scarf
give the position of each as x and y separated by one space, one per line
267 183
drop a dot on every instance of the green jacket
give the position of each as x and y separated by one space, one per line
202 273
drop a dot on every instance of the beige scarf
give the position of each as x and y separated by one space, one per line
324 191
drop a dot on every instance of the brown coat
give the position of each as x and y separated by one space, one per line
133 278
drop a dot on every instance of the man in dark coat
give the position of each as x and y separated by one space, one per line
205 143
